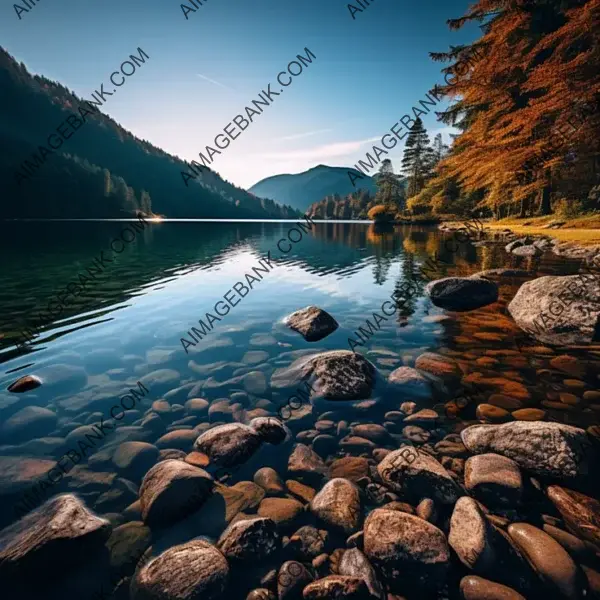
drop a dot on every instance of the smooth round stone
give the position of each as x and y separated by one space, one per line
575 384
197 459
372 431
580 512
197 406
268 479
494 479
28 423
473 587
568 364
488 413
338 505
325 426
255 383
549 559
255 357
591 396
161 407
135 457
25 384
337 586
352 468
284 511
529 414
324 444
180 439
505 402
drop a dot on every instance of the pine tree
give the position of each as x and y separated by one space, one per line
417 161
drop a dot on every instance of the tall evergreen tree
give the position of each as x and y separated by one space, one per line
417 160
389 186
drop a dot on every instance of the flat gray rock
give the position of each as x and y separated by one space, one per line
559 310
543 448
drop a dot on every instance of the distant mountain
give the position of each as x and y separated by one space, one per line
303 189
54 166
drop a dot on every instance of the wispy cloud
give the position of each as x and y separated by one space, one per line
320 153
215 82
298 136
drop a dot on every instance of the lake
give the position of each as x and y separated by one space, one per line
124 325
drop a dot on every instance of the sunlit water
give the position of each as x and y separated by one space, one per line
128 324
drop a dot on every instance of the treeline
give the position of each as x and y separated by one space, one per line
102 170
527 110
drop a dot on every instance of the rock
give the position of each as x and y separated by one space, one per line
426 510
255 383
374 432
494 479
24 384
416 434
355 564
192 571
284 511
291 580
306 465
535 309
197 459
425 417
490 273
438 365
312 323
261 594
309 542
418 475
478 588
335 375
28 423
546 449
180 439
301 491
529 414
60 530
336 586
550 560
197 407
135 458
410 382
250 539
580 512
271 430
527 251
488 413
268 479
171 490
352 468
338 505
462 293
230 444
399 543
569 365
126 541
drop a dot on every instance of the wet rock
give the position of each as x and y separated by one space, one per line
473 587
197 459
462 293
416 434
518 243
324 444
312 323
529 414
494 479
426 510
60 530
268 479
181 439
488 413
550 560
335 375
197 407
255 383
418 475
537 308
250 539
127 540
306 465
569 365
171 454
284 511
527 251
580 512
399 543
28 423
491 273
410 382
577 548
230 444
20 474
25 384
192 571
425 417
171 490
160 381
261 594
291 580
338 505
355 564
438 365
270 430
374 432
310 541
352 468
303 492
336 586
547 449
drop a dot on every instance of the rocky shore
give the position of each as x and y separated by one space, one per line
371 489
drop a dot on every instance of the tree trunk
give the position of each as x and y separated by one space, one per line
544 208
523 211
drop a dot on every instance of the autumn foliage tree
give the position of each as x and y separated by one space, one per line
526 97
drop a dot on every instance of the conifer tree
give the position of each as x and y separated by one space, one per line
417 161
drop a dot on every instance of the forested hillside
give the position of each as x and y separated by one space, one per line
102 170
526 98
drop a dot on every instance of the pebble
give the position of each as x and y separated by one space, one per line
473 587
494 479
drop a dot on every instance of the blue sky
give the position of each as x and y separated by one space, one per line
203 71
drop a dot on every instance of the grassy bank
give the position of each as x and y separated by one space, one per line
582 230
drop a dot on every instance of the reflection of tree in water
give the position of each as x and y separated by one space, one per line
381 238
408 286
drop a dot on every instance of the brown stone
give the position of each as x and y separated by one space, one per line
580 512
529 414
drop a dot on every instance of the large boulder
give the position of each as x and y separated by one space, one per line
192 571
171 490
418 475
559 310
335 375
401 544
312 323
230 444
462 293
546 449
61 531
29 423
